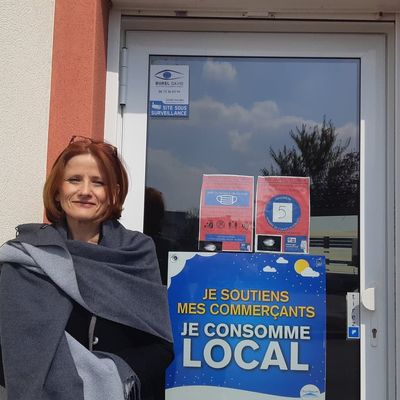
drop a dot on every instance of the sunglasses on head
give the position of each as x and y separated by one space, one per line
78 138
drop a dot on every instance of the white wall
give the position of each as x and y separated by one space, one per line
26 33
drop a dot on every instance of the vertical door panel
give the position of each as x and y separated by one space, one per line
252 96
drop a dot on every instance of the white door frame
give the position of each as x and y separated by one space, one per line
377 143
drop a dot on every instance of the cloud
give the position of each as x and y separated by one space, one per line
309 273
168 172
282 260
220 71
262 117
248 131
348 131
240 141
267 268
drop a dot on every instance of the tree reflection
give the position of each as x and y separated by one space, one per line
333 169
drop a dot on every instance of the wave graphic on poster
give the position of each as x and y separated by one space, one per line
223 393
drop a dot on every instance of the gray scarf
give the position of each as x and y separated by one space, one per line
117 280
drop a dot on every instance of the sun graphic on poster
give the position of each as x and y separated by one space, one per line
301 265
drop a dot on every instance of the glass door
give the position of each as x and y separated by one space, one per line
272 105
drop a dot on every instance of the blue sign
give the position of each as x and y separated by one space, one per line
224 238
248 325
236 198
353 332
159 109
282 212
295 244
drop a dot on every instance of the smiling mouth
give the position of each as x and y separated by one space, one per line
84 203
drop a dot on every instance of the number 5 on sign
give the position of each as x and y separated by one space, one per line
282 212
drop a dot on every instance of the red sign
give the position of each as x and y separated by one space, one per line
226 213
283 214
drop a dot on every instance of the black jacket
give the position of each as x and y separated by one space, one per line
146 354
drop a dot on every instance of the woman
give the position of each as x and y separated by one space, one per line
83 314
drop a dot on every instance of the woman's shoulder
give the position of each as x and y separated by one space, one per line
33 234
116 235
37 234
31 228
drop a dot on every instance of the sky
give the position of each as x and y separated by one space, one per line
239 108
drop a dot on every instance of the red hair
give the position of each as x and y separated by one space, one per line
114 174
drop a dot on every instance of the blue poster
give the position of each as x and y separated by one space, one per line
248 326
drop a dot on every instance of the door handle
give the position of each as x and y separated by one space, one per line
368 298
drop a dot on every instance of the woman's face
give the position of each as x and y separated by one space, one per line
82 194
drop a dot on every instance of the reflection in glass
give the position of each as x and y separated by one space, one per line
270 116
